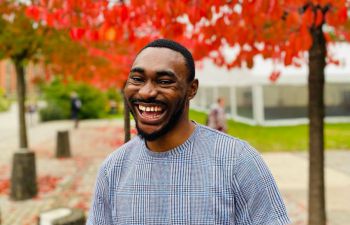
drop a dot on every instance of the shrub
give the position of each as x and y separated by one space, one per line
58 97
53 112
115 99
93 102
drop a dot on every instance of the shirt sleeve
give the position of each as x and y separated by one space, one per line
257 198
100 211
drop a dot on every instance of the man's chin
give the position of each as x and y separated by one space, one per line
163 129
149 136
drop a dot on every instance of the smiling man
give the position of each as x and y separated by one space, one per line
177 171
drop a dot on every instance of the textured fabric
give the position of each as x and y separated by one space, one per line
210 179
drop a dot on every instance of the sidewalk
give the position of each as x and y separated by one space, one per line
70 182
291 173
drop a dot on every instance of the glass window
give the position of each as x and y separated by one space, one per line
224 92
244 102
284 101
337 99
209 94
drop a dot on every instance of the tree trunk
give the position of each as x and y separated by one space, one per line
62 144
126 121
317 55
21 95
23 176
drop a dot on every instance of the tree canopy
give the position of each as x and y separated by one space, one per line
274 29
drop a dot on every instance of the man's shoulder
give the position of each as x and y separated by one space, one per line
215 135
222 144
123 154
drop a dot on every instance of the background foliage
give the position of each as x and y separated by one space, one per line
57 96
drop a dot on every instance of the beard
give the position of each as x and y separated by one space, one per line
174 118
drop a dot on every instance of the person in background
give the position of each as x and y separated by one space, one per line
75 108
217 116
112 106
31 110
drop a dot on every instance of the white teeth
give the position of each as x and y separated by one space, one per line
150 109
142 108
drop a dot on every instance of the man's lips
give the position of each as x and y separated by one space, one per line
150 113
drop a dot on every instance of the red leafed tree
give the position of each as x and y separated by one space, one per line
287 31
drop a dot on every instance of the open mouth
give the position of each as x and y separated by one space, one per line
150 113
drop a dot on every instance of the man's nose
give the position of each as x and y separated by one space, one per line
148 90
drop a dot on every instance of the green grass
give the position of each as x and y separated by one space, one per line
283 138
114 116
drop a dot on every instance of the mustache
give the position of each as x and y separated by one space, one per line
147 101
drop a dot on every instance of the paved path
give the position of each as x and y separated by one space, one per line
291 173
69 182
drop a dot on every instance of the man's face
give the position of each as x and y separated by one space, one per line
156 91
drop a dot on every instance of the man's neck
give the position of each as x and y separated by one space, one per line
177 136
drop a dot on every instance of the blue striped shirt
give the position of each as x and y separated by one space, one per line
212 178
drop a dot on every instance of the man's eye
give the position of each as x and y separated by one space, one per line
165 81
136 79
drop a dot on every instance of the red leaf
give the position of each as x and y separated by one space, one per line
93 35
274 76
124 13
343 14
308 17
319 18
4 186
33 12
288 58
50 19
292 19
77 33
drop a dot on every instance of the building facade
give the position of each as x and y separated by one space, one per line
251 97
33 73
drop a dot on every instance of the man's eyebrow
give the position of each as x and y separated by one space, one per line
137 70
166 73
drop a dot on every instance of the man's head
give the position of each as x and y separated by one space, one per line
160 84
73 94
221 101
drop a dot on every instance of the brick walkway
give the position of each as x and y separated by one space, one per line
70 182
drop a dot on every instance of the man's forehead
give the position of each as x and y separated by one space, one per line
159 54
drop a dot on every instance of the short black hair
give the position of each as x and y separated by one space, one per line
166 43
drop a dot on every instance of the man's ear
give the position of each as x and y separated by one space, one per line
193 89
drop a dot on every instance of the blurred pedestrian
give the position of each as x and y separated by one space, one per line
31 110
112 106
217 116
75 108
